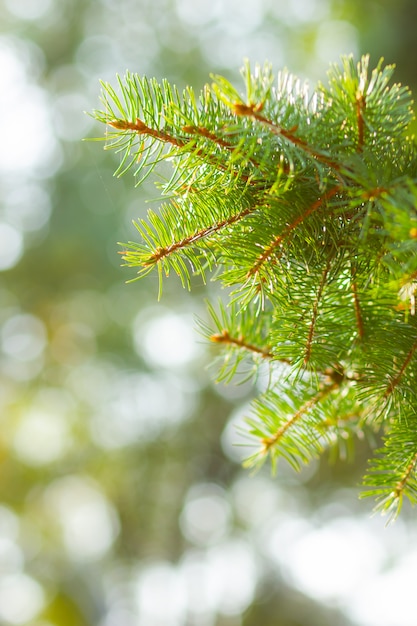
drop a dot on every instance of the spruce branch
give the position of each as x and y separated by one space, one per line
305 205
314 314
240 342
243 342
279 239
273 440
395 380
357 304
290 425
288 134
392 474
140 127
360 108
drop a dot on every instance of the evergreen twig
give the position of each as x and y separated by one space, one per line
305 203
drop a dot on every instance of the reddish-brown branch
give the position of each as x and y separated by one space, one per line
268 442
360 107
396 380
205 132
253 111
163 252
311 331
399 488
372 194
357 306
278 240
358 311
142 129
225 337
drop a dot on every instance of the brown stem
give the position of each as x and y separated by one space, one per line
307 353
374 193
142 129
225 337
205 132
360 107
163 252
396 380
268 442
252 111
277 241
357 305
399 488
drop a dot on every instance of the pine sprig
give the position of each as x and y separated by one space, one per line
186 231
290 425
244 343
392 474
305 205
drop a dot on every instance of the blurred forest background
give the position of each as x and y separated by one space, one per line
122 497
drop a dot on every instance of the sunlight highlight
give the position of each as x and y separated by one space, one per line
88 522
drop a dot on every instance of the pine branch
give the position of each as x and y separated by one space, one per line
193 239
240 342
360 109
279 239
305 205
395 381
357 305
315 310
273 440
247 343
253 112
139 127
290 425
392 475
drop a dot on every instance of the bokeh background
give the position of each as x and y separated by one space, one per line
122 497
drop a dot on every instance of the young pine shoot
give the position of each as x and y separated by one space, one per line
304 206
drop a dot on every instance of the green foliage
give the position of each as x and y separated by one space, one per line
304 204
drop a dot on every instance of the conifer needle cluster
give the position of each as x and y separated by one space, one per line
304 206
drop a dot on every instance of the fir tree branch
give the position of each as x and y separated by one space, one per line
269 442
225 337
357 305
234 330
253 111
394 382
374 193
360 108
408 474
316 304
306 207
177 246
141 128
392 474
208 134
279 239
219 141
